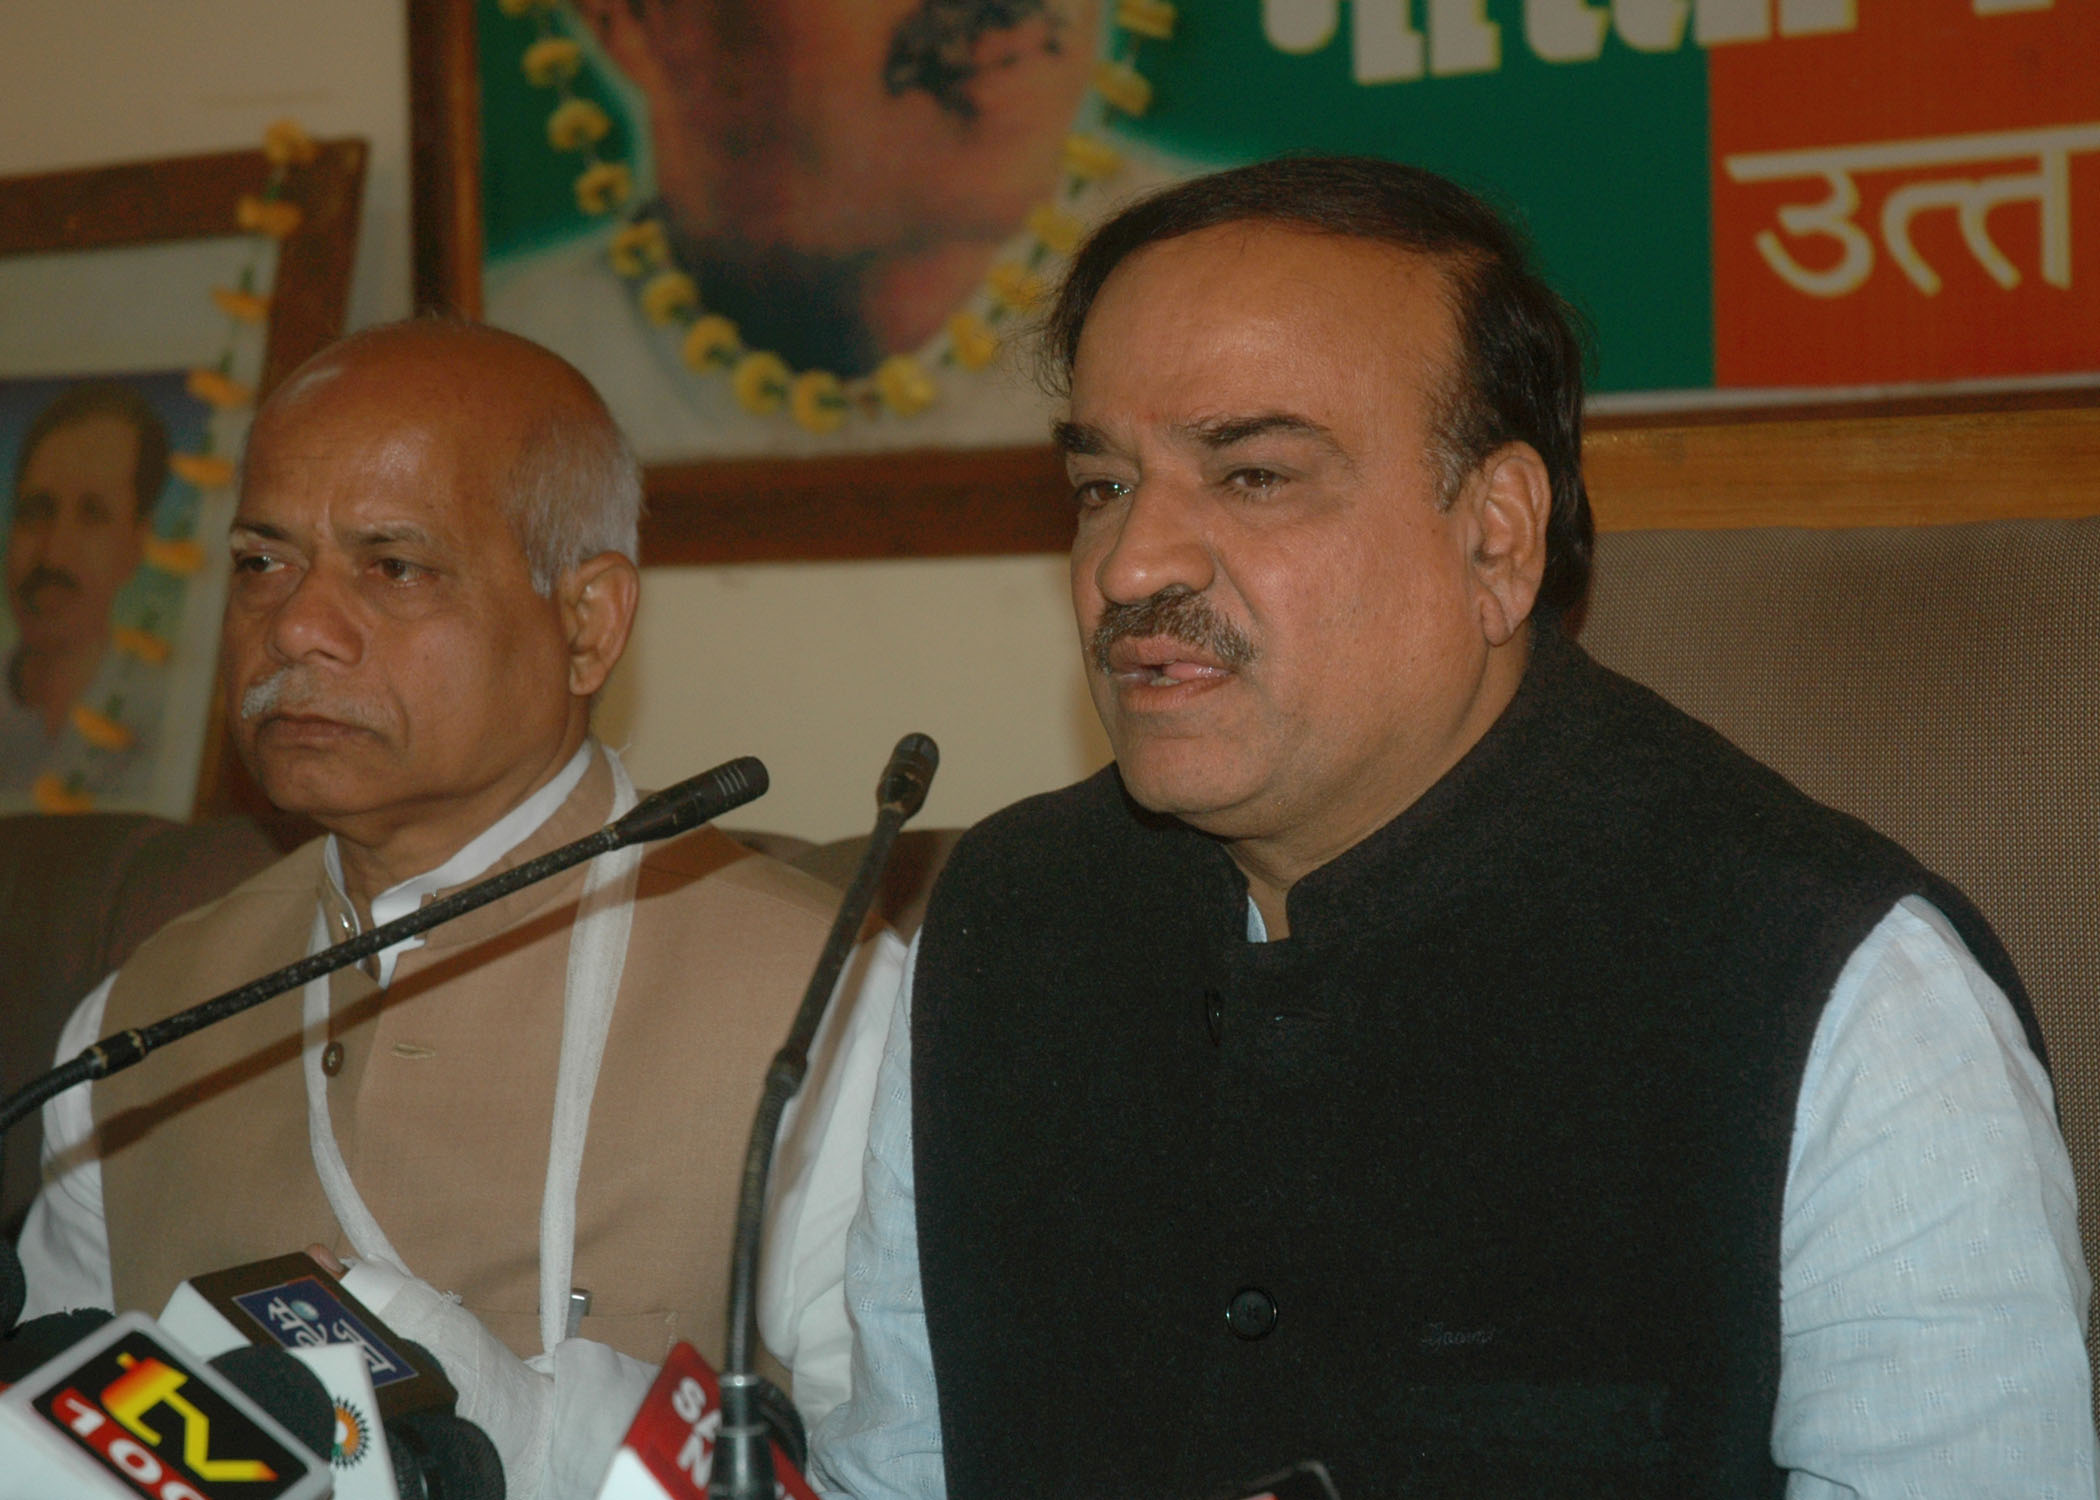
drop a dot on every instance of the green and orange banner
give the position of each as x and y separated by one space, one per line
1741 193
1748 199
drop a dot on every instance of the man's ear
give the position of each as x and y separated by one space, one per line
1511 498
597 598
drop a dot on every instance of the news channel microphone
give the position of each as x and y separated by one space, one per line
130 1412
397 1436
670 1448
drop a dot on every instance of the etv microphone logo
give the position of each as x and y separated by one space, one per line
162 1431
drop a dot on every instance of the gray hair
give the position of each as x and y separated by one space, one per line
573 491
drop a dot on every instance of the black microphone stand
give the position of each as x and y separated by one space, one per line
743 1467
673 810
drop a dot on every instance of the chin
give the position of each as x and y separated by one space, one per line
1197 789
308 785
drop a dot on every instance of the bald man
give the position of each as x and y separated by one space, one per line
433 575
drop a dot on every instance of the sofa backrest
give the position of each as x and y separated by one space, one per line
77 894
1939 681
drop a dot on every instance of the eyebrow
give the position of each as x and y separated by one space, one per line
1224 432
388 535
370 536
1078 438
1083 439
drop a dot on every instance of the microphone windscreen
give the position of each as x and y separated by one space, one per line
45 1338
438 1456
420 1356
908 776
14 1287
696 800
287 1390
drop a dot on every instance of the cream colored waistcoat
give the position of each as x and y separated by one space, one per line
444 1102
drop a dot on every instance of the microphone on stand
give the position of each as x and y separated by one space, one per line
675 809
742 1467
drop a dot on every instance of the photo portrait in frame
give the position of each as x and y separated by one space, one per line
144 309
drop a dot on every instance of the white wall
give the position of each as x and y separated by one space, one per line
818 669
94 81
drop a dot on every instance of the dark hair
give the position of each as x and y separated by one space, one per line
1519 375
106 398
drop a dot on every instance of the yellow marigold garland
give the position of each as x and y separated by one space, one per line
286 144
761 381
146 646
51 795
204 471
273 217
178 557
99 730
268 214
242 307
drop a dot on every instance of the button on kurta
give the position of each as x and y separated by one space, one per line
332 1059
1251 1314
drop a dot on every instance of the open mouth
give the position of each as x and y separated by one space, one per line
1162 662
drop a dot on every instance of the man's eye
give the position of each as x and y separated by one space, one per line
255 562
399 570
1254 479
1090 493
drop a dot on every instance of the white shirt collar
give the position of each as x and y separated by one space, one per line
474 857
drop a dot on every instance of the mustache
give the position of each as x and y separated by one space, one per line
1178 613
41 577
299 689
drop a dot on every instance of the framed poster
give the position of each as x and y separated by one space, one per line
792 241
144 308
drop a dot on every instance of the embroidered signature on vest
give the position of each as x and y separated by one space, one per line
1442 1336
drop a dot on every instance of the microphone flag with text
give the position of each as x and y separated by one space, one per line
129 1412
669 1450
374 1379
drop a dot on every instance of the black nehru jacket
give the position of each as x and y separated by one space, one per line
1470 1187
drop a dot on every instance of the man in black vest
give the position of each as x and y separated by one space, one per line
1423 1050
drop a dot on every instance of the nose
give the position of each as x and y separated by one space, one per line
1156 540
51 541
316 621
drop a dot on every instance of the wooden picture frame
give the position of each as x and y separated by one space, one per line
1911 459
149 203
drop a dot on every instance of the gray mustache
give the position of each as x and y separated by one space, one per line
296 688
1178 613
